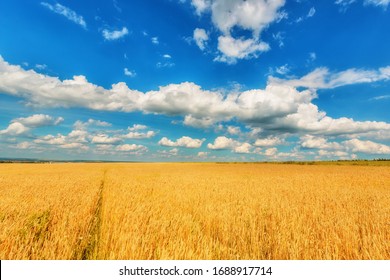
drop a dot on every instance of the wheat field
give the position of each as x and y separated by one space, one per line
194 211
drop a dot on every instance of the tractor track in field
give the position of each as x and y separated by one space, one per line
89 248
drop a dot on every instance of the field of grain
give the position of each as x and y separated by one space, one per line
194 211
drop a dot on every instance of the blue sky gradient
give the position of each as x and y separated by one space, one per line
195 80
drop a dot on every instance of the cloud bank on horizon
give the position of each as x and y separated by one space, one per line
224 80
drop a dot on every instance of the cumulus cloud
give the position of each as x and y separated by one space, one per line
66 12
140 135
38 120
270 152
280 106
137 127
155 40
201 5
131 148
24 145
315 142
105 139
367 147
334 154
342 149
201 122
268 142
233 49
243 148
203 154
20 126
114 34
226 15
185 141
15 129
200 37
72 141
222 143
79 125
225 143
233 130
254 15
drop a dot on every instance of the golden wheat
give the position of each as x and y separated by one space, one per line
194 211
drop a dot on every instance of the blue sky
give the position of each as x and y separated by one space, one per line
195 80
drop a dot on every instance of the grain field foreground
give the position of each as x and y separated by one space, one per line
194 211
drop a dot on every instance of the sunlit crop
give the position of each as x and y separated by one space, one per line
194 211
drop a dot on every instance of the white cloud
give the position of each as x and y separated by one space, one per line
155 40
66 12
280 106
114 34
79 125
315 142
333 154
367 147
270 152
226 15
185 141
20 126
38 120
198 122
74 146
51 140
140 135
201 5
309 119
40 66
169 153
64 142
105 139
267 142
253 15
200 37
78 136
129 73
131 148
233 49
137 127
233 130
243 148
322 78
311 12
283 70
25 145
203 154
14 129
222 143
167 56
381 97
